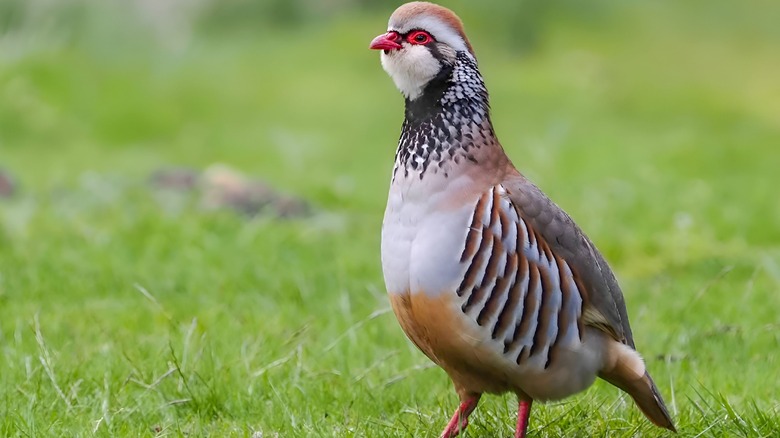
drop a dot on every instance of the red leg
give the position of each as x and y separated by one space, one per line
523 412
460 419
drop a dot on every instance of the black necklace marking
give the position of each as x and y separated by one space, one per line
432 136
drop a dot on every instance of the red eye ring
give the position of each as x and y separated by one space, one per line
419 37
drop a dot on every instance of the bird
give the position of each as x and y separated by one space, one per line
486 275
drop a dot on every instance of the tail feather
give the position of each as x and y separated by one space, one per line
646 396
631 376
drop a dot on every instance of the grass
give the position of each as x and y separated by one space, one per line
129 311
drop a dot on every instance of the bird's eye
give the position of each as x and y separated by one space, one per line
419 37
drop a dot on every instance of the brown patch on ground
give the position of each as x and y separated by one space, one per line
222 187
8 186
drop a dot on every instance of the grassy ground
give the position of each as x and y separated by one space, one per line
127 311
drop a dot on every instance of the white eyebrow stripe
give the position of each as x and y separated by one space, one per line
433 25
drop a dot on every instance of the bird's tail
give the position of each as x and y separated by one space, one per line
640 387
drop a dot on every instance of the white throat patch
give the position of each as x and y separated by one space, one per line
411 68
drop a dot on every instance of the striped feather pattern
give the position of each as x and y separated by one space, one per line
515 287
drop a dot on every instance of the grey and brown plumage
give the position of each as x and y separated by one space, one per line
486 275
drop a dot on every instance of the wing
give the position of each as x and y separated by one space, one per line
604 306
517 290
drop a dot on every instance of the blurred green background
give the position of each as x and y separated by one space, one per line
128 307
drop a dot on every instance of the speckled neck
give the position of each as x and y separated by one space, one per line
444 124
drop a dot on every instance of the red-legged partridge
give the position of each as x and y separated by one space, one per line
487 276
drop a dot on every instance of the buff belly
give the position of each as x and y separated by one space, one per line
474 362
429 324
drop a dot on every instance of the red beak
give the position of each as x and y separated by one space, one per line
386 41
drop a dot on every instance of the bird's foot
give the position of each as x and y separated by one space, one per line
460 420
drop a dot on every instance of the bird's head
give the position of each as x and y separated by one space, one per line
422 41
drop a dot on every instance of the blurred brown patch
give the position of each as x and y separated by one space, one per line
175 178
222 187
7 185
